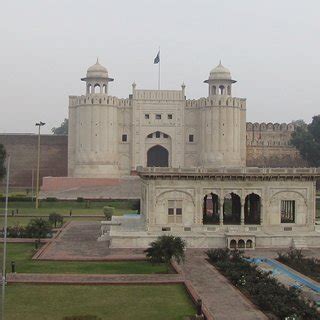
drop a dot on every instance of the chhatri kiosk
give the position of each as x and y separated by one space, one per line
191 158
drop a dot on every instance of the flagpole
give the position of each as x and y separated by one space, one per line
3 280
159 71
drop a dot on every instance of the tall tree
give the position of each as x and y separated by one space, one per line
2 161
63 129
307 140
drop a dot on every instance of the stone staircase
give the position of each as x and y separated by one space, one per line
299 243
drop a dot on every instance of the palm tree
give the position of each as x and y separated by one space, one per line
166 248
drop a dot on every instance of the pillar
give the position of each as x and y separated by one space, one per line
242 213
261 213
221 213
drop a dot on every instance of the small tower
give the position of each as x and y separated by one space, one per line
93 129
220 81
97 79
223 123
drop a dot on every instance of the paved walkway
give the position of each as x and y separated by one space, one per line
78 241
95 278
222 300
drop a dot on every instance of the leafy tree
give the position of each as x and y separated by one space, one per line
307 140
55 218
2 161
38 228
299 123
63 129
166 248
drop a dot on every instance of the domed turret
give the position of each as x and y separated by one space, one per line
97 79
220 73
97 71
220 81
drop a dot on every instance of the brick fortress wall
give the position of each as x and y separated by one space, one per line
268 145
23 151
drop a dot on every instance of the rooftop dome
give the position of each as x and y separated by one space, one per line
97 71
220 73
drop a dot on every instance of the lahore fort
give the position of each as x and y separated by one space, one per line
199 169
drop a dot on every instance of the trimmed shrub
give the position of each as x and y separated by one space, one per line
55 219
108 212
38 228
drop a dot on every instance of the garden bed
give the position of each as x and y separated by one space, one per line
273 298
295 260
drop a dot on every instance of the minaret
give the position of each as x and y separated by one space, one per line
223 121
93 128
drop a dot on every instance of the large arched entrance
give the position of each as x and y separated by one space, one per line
157 156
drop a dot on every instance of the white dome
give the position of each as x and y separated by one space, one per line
220 73
97 71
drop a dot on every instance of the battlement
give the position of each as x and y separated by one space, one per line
218 100
98 98
158 95
247 172
270 127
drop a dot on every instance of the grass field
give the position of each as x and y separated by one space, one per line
64 207
21 253
90 209
54 302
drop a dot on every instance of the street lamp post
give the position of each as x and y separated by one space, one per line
38 124
3 276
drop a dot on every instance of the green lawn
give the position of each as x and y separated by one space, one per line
63 208
23 221
21 253
54 302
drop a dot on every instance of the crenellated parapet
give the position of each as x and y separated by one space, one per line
98 98
276 127
269 134
218 100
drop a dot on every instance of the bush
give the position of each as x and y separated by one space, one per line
16 231
38 228
296 260
166 248
215 255
265 291
108 212
55 218
80 199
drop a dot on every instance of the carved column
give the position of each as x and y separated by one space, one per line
261 214
221 213
242 212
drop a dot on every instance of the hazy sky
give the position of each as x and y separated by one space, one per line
271 47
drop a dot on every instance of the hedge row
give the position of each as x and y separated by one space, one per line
264 290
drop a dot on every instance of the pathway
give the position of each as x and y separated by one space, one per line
222 300
78 241
97 279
